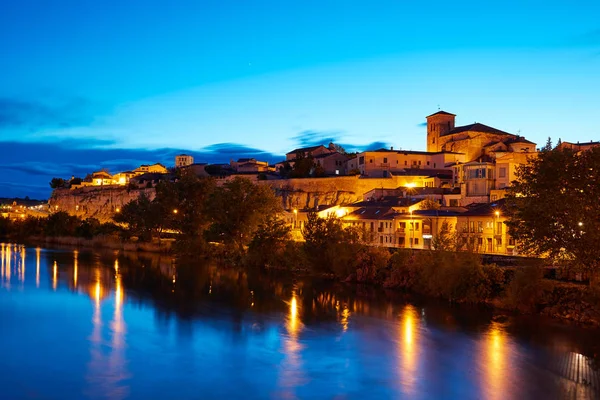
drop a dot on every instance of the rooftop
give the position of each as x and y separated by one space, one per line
476 127
441 113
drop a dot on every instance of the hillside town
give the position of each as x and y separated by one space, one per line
403 199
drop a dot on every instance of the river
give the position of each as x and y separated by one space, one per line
104 325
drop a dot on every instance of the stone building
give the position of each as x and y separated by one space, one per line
183 160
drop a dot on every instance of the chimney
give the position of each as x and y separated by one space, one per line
391 147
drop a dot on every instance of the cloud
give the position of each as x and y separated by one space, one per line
27 168
35 114
422 125
310 138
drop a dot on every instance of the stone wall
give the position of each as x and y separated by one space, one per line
102 203
95 202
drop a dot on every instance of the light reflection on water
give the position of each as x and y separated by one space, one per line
121 326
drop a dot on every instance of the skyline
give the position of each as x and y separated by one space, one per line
115 85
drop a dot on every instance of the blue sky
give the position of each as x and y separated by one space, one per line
91 84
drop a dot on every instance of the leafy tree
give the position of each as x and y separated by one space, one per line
184 204
354 171
61 224
548 145
75 181
329 246
268 245
444 240
238 208
554 207
58 183
141 216
303 166
339 148
429 204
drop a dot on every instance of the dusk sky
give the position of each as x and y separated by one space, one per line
86 85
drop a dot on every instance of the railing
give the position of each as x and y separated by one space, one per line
400 230
380 229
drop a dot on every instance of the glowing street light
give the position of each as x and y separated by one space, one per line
117 210
175 211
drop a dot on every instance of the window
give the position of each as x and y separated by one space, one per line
361 160
502 172
499 241
416 241
499 228
370 161
372 226
381 239
472 226
419 162
434 165
479 241
416 226
493 197
405 162
453 202
385 160
479 226
427 162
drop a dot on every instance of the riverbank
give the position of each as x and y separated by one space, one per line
104 242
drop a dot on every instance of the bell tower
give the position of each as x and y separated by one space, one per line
438 125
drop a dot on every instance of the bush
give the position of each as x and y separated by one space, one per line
370 263
527 289
452 276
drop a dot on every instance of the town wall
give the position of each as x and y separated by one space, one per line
102 203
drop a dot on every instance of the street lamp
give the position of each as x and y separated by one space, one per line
295 218
412 229
175 211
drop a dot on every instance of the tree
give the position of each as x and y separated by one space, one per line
329 246
339 148
553 206
58 183
269 242
548 146
429 203
238 208
303 166
143 218
184 204
444 240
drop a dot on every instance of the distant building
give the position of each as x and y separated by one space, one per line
578 146
249 165
154 168
183 160
309 151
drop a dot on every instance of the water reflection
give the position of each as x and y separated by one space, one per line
408 349
495 364
37 267
291 368
290 339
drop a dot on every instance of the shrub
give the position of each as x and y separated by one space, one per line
370 262
527 289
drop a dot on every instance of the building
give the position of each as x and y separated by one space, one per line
183 160
387 162
474 140
249 165
157 168
312 151
334 163
483 229
578 146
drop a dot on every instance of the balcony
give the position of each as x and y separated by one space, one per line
426 230
380 229
400 230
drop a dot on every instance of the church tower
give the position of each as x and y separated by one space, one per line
438 124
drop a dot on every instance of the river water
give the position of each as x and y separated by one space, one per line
78 325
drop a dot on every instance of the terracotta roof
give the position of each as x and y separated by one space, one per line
305 149
487 209
518 139
476 127
441 113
